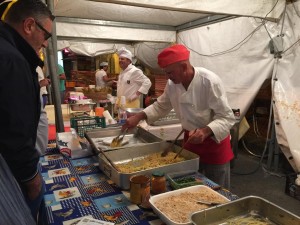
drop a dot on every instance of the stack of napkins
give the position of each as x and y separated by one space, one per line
71 145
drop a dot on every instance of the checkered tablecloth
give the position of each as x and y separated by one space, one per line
77 188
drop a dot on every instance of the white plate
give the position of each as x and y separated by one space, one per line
107 141
166 219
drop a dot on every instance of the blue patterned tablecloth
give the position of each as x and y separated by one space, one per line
76 188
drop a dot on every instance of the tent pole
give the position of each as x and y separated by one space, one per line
52 59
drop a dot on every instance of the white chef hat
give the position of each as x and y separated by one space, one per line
123 52
104 64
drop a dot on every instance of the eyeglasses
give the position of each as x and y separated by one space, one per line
47 34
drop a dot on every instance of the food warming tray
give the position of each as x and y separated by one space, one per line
137 152
250 205
100 138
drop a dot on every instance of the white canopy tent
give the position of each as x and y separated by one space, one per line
228 37
150 21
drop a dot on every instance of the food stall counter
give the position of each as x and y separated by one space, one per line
76 188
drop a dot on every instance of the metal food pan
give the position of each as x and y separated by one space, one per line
135 137
258 206
137 152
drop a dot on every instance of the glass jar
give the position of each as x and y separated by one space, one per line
158 182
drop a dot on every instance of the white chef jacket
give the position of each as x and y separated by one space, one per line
99 78
41 76
131 80
203 104
42 130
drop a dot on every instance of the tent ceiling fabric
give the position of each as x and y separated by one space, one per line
111 33
122 13
253 8
160 12
136 21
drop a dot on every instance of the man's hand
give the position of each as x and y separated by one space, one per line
136 96
44 82
33 187
199 135
133 121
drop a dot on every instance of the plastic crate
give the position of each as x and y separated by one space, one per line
85 123
184 179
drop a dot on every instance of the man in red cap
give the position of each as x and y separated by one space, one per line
199 100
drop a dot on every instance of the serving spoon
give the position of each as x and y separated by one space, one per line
208 202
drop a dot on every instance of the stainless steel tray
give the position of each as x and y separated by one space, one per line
138 152
135 137
171 118
218 215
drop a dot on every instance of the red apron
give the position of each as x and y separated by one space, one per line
211 152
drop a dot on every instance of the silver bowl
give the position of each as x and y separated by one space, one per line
133 111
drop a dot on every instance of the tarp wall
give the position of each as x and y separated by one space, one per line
238 51
286 86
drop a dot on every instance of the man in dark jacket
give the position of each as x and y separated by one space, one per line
25 27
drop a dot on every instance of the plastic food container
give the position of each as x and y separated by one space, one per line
158 182
183 179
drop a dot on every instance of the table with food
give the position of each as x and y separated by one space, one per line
134 183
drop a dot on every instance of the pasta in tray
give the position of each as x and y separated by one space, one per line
178 208
149 162
250 219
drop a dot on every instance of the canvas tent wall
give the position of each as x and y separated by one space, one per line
237 48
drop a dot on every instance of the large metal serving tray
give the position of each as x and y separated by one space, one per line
139 152
135 137
242 207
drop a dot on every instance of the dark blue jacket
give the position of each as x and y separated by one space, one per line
19 104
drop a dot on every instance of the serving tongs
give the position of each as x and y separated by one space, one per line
117 141
171 146
184 144
108 159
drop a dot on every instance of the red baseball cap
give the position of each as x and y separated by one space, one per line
173 54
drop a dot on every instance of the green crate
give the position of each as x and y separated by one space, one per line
85 123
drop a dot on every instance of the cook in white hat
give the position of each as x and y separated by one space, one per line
102 80
103 64
132 81
124 53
